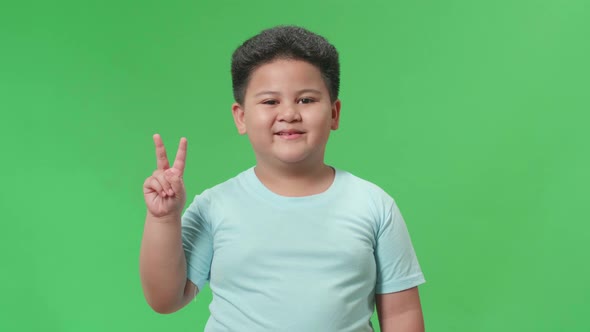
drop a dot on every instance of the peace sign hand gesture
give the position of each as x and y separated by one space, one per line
164 191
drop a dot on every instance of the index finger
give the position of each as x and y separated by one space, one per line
161 153
180 160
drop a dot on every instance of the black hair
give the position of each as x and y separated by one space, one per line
285 42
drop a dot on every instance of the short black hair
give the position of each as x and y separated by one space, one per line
285 42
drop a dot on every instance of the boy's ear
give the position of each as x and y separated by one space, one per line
238 113
336 114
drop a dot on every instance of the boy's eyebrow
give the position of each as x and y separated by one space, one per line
278 93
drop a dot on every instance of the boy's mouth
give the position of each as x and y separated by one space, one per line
290 134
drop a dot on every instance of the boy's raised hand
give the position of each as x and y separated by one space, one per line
164 191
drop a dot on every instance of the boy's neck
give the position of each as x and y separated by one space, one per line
296 181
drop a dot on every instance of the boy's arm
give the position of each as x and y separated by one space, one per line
162 263
163 266
400 311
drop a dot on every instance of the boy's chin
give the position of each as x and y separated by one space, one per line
294 159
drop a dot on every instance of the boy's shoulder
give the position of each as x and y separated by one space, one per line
231 184
361 182
218 194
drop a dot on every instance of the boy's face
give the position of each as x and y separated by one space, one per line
287 113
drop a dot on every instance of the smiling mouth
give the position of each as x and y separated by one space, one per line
290 134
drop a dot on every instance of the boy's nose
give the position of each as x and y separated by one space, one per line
289 113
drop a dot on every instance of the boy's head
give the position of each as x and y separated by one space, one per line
285 42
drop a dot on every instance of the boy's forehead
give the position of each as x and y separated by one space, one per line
283 74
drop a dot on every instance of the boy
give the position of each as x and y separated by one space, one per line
291 244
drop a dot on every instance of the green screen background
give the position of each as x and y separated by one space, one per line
472 114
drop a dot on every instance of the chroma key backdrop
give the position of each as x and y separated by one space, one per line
473 115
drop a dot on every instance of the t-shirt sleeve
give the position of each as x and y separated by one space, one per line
197 241
397 265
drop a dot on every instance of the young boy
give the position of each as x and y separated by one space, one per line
291 244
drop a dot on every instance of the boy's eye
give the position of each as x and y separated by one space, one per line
306 100
270 102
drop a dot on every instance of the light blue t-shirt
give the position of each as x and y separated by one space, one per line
313 263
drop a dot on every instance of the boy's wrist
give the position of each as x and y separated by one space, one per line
172 218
